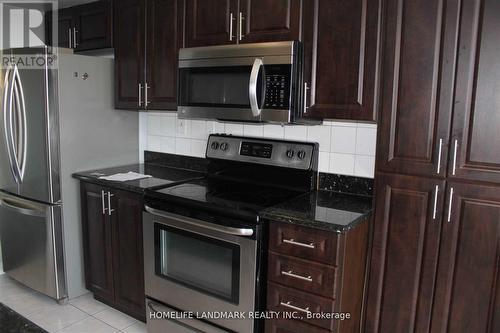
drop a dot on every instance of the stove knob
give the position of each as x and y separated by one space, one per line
224 146
215 145
290 153
301 154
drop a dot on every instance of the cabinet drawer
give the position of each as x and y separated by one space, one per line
306 243
291 326
286 299
302 274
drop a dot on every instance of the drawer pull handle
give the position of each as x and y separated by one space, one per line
293 307
296 276
293 242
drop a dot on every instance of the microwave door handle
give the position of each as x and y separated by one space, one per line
252 87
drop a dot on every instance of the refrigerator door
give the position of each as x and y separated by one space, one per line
34 172
31 240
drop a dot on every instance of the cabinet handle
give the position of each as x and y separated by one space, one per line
103 202
293 242
110 211
440 151
231 19
146 100
75 44
241 25
436 192
296 276
293 307
450 205
140 94
306 88
69 38
455 151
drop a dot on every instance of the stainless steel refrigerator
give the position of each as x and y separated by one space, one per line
54 121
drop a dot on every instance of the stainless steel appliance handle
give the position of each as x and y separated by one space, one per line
436 192
21 207
7 116
22 124
296 276
293 242
252 87
293 307
69 39
206 225
75 44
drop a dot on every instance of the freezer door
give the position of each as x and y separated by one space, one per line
31 133
31 240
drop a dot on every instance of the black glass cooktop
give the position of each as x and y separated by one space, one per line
223 195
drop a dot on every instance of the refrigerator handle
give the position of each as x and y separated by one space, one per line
20 207
22 125
8 121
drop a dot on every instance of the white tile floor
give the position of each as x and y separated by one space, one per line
81 315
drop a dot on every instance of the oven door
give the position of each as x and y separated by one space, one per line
239 89
197 266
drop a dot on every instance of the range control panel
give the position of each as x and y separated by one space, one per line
277 81
290 154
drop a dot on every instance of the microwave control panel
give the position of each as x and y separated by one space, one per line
277 87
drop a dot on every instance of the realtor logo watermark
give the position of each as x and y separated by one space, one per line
25 33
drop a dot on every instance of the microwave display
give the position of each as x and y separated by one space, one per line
277 87
254 149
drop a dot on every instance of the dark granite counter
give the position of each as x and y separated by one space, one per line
323 210
162 176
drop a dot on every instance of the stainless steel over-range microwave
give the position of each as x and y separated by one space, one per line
259 82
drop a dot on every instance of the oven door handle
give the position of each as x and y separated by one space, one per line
252 87
245 232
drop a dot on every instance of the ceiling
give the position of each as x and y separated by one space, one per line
69 3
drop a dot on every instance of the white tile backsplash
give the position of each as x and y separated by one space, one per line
346 148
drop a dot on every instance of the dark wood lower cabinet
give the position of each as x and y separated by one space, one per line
468 280
113 250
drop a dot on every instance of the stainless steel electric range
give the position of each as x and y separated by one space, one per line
204 244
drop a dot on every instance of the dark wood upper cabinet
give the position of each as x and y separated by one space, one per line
84 27
404 253
128 267
94 26
417 86
476 119
468 283
164 38
129 45
97 248
341 62
269 20
211 22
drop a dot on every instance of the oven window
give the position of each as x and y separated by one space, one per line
225 87
204 264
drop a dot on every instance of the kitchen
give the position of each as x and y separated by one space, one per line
187 162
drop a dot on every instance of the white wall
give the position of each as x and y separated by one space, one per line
346 148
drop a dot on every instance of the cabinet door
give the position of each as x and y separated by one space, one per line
208 22
97 243
269 20
468 284
65 24
405 252
129 53
93 26
340 52
164 34
128 267
417 86
476 118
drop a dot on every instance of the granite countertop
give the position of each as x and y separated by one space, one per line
325 210
162 176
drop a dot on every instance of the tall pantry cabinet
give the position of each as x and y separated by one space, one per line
436 243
